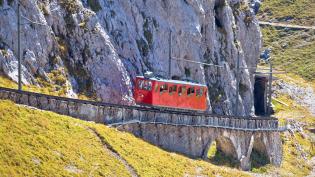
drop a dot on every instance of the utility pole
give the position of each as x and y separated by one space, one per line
237 84
19 47
270 88
170 56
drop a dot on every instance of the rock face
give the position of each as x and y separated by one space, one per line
103 45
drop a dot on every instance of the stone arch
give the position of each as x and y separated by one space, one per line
222 151
259 155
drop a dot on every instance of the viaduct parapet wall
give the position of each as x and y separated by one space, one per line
187 133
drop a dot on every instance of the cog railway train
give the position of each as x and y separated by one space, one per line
153 91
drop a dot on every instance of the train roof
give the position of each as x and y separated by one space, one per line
173 81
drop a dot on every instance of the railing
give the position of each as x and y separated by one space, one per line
211 122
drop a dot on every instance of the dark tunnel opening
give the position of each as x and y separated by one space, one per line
260 95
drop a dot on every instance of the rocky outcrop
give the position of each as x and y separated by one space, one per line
303 95
103 45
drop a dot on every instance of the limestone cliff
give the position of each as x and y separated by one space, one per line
103 44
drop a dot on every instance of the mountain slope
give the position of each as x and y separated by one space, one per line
36 143
41 143
97 47
292 50
299 12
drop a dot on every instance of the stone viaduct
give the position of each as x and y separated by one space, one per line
187 133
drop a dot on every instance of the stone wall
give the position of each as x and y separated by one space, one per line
113 113
187 133
195 141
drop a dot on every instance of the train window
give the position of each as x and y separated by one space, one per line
144 85
163 88
173 89
156 87
140 84
199 92
190 91
181 90
147 85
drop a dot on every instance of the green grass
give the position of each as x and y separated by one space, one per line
38 143
293 51
302 11
42 143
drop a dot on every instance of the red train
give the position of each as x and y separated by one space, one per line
170 93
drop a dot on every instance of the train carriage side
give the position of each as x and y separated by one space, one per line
179 95
172 94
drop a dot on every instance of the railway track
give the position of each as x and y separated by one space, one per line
161 115
135 107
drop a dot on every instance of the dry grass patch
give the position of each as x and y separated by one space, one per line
40 143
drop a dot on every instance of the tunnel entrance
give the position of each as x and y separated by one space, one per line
260 95
222 154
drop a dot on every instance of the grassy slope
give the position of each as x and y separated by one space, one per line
35 142
298 144
293 51
302 11
298 147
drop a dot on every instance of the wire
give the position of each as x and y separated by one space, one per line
29 20
208 64
197 62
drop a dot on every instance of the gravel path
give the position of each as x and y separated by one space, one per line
286 25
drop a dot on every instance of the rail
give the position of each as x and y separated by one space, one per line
126 114
277 129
